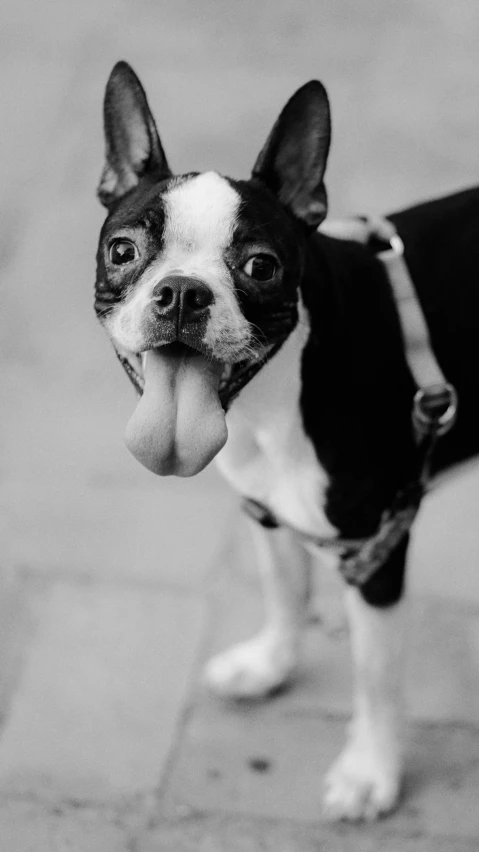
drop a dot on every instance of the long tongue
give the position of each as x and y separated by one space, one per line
178 425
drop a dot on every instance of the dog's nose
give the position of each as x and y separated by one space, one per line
183 299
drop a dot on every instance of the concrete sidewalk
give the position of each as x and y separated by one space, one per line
115 586
109 740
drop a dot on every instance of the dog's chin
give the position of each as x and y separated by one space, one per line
178 425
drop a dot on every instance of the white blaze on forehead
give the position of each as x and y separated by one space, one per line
200 216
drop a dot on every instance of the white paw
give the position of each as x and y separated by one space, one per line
252 669
361 785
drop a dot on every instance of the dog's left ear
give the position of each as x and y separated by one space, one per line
293 161
133 147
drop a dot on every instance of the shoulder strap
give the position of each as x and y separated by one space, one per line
435 403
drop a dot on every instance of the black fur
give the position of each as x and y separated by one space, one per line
293 160
133 148
357 390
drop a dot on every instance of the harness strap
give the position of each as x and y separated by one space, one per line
420 357
272 521
359 558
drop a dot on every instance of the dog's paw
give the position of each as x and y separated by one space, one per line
252 669
361 785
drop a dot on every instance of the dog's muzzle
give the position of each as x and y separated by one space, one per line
179 423
179 311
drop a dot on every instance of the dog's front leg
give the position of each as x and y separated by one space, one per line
256 667
365 780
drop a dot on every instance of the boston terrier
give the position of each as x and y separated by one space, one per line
253 337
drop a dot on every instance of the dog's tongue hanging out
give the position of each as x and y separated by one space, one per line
178 425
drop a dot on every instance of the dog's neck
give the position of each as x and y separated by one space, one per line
336 398
356 387
268 455
355 331
345 357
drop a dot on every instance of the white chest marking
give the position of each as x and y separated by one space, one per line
268 456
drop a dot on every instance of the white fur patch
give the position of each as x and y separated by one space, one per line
365 780
255 667
268 455
200 220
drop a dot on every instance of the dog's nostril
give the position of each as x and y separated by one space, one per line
198 297
165 297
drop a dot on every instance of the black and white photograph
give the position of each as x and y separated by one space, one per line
239 455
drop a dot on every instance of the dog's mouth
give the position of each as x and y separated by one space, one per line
178 425
134 364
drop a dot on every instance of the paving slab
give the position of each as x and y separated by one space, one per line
157 533
15 630
445 543
104 681
263 761
200 833
269 758
31 827
442 650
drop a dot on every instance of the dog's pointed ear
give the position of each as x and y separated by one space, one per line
293 161
133 147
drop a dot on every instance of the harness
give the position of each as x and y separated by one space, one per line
434 411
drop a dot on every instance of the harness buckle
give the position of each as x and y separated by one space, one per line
435 409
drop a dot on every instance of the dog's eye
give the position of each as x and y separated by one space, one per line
123 251
261 267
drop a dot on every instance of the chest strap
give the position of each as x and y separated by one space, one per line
359 558
433 410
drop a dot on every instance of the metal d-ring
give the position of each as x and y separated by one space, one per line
425 399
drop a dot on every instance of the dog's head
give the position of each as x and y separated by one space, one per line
197 274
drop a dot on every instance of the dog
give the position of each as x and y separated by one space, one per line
254 337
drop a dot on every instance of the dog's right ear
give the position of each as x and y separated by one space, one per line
293 160
133 147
